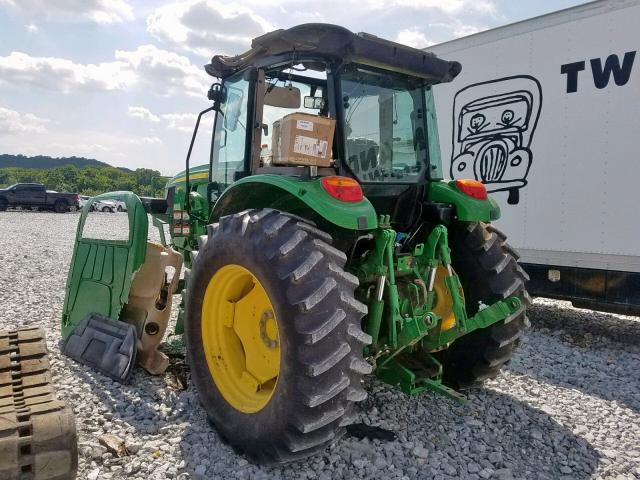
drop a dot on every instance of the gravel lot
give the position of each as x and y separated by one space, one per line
568 406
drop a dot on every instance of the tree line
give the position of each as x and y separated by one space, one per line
45 161
88 180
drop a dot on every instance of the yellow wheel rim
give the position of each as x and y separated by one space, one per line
444 303
240 338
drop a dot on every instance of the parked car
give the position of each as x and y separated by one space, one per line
35 195
120 206
106 206
82 200
110 206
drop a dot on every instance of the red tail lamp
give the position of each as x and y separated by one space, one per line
344 189
473 188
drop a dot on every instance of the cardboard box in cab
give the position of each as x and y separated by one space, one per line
302 139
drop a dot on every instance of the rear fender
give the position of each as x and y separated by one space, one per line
305 198
467 209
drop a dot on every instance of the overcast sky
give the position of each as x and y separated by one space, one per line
121 80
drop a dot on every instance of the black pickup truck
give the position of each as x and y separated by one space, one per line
35 195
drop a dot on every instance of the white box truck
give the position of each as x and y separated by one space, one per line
546 112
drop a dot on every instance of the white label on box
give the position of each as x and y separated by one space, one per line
304 125
310 146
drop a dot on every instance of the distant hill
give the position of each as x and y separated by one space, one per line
80 175
44 161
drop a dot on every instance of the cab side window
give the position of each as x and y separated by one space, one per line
231 131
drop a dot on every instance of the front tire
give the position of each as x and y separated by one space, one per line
319 335
488 270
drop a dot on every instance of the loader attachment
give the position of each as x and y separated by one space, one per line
119 289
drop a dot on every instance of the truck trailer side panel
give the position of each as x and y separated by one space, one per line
546 113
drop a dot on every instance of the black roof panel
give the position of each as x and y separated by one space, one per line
338 45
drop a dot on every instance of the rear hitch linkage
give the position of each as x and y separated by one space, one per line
411 324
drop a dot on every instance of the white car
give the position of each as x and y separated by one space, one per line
120 206
106 206
82 200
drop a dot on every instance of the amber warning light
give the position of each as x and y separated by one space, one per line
343 188
473 188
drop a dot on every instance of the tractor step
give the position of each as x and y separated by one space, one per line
38 438
106 345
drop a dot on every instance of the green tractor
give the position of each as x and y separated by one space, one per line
320 244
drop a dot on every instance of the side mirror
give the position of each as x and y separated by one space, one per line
283 97
316 103
216 95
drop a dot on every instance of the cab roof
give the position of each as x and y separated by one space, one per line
337 45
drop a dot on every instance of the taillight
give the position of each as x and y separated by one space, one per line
473 188
344 189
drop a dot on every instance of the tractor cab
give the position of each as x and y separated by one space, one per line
317 101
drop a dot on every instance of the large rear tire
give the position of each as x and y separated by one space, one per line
488 270
266 265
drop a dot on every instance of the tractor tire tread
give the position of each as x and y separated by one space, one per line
336 255
489 265
311 424
314 331
317 366
327 360
315 231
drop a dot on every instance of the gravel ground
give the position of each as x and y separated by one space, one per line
568 405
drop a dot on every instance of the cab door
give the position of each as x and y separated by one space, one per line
109 249
232 140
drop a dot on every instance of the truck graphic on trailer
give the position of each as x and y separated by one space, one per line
493 126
